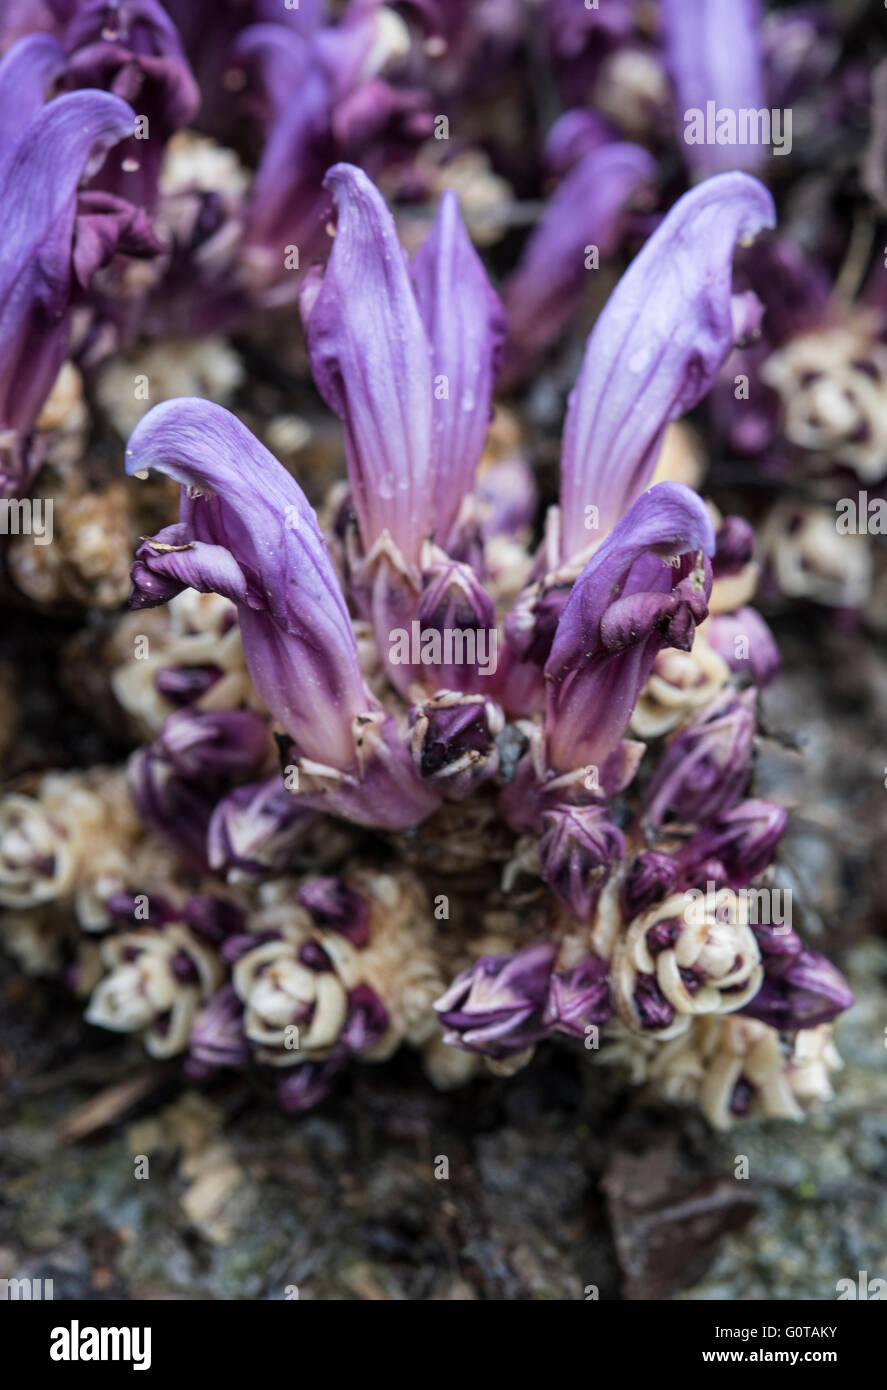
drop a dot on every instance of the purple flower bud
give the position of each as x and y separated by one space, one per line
257 828
213 919
217 1036
800 991
650 879
181 685
248 533
644 589
336 907
655 351
745 642
707 763
457 623
734 546
367 1021
496 1006
177 808
736 847
453 741
579 846
309 1083
579 997
209 743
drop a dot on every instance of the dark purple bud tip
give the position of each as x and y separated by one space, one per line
734 546
650 879
336 907
579 846
225 743
309 1083
367 1021
453 741
653 1008
217 1038
579 997
800 992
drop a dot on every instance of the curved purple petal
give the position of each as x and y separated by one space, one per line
26 71
297 637
465 324
655 350
635 596
372 365
586 210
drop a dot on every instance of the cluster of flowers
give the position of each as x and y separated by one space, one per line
343 831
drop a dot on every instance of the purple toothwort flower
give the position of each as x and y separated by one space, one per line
645 588
714 54
579 998
734 848
496 1006
650 879
706 764
654 352
322 94
745 642
336 907
409 371
133 50
257 828
209 743
54 240
217 1038
802 990
578 849
587 210
247 532
453 741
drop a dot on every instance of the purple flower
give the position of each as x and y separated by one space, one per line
453 741
496 1006
247 532
133 50
578 848
644 589
746 643
457 617
654 352
714 54
336 907
309 1083
207 743
217 1038
803 990
409 372
53 239
177 807
322 96
27 71
736 847
588 209
367 1021
706 764
734 547
257 828
578 998
650 879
